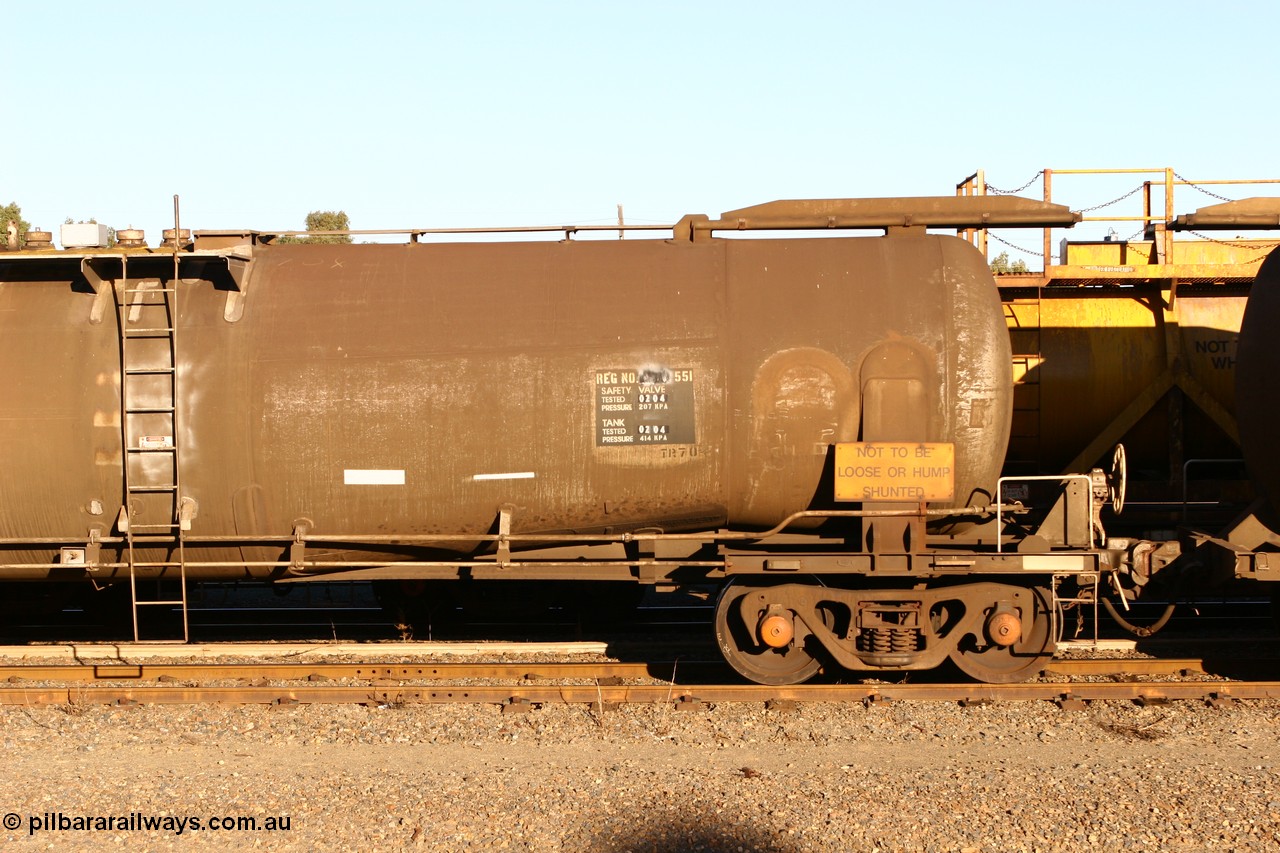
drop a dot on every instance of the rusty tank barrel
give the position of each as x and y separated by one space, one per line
421 389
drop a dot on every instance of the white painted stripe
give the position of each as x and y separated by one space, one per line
373 477
514 475
1056 563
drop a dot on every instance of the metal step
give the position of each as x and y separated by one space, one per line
155 332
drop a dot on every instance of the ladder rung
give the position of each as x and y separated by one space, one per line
133 371
152 449
151 603
148 410
158 487
157 332
150 290
166 526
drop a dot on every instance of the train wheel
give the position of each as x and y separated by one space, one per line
984 659
744 649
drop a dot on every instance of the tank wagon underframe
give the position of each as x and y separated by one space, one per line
997 616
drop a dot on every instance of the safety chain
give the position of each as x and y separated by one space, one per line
998 191
991 236
1202 189
1223 242
1135 235
1261 257
1131 192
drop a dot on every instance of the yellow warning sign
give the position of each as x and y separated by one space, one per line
895 471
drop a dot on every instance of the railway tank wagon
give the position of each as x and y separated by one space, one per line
1257 369
1246 548
642 410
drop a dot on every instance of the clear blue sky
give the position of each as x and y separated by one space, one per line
445 114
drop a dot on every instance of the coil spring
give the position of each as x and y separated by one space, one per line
886 640
904 639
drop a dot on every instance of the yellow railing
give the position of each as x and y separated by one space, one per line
1158 187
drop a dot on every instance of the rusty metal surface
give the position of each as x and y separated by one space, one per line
87 673
1256 212
919 212
882 629
413 390
454 379
797 390
1258 382
430 410
529 670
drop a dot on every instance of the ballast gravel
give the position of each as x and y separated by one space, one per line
897 776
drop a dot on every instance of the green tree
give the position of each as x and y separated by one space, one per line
329 220
12 213
1001 265
324 220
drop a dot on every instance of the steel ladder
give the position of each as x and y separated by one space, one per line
149 425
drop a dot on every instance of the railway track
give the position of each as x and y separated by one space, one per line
526 684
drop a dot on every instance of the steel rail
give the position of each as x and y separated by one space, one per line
684 696
119 671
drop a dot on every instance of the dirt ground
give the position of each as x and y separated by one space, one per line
907 776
